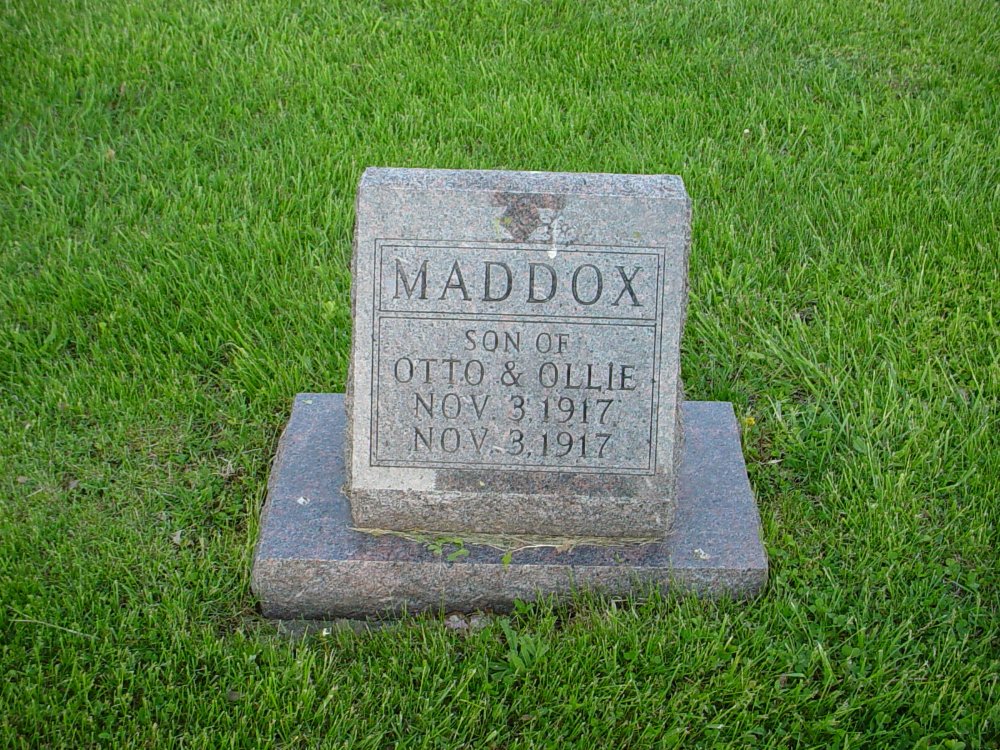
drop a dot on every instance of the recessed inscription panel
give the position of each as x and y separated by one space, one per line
478 393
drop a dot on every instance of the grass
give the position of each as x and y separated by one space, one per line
176 206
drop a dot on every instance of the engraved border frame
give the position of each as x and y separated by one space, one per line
378 313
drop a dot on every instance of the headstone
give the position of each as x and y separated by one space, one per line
514 399
516 352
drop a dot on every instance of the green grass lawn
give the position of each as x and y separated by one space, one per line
176 207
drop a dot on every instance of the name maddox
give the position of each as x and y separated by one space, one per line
617 284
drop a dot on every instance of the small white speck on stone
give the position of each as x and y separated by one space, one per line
701 554
303 501
478 622
552 253
308 400
456 622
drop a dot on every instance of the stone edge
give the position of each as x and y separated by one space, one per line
663 186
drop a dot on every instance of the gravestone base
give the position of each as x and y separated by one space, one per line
311 563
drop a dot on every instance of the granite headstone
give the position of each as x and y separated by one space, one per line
516 354
514 391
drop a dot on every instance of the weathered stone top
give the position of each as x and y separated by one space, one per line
579 183
516 351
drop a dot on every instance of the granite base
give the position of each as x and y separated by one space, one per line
310 563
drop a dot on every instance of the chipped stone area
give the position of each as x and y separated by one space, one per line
505 542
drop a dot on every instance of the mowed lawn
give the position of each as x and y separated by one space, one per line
176 208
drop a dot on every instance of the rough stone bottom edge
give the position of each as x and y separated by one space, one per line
363 591
311 564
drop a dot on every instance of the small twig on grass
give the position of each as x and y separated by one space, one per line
57 627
